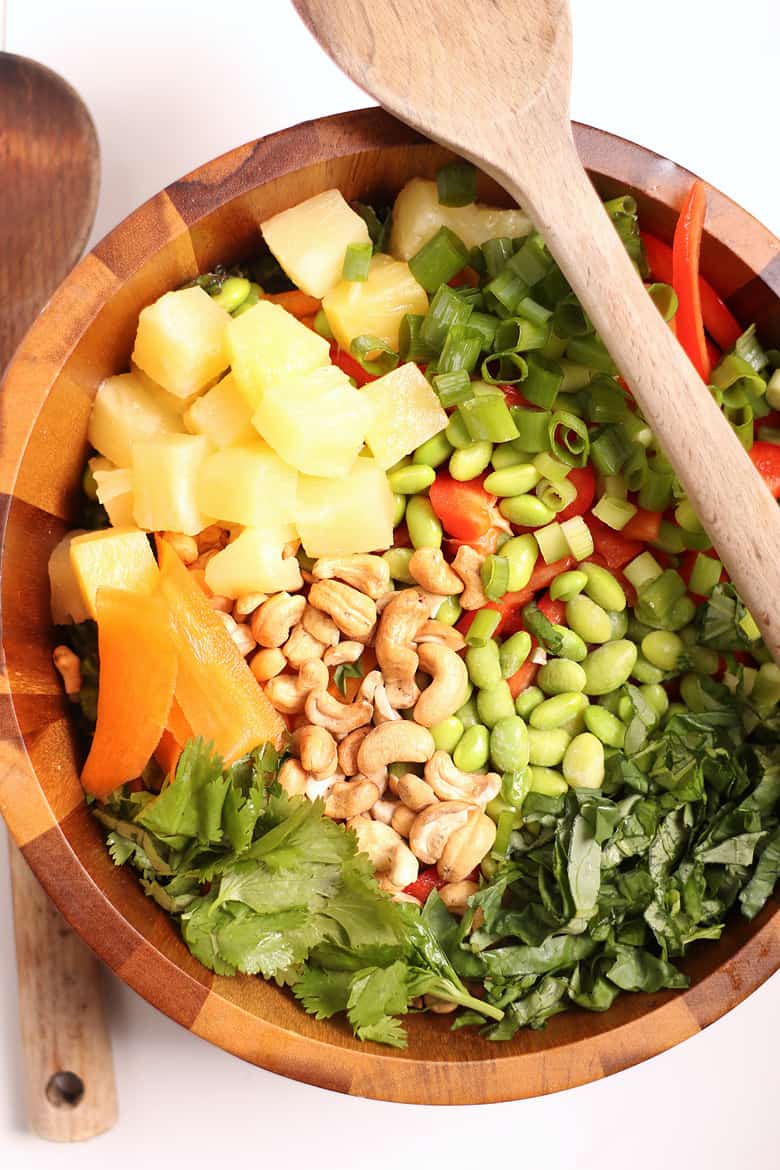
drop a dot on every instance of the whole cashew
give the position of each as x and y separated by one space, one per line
313 676
315 747
247 603
284 693
449 783
272 621
403 819
383 810
401 620
301 647
319 789
441 633
344 652
455 896
398 742
433 827
352 611
388 853
348 750
383 712
467 564
370 574
293 777
466 847
339 718
415 793
350 798
429 569
320 626
449 686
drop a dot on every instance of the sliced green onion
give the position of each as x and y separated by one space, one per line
569 439
506 368
590 351
543 381
578 537
504 828
556 496
485 325
532 262
553 348
670 538
730 368
322 326
739 412
533 429
655 492
456 184
441 258
488 418
552 543
685 516
621 204
615 486
386 359
575 376
494 573
412 346
504 292
773 391
698 541
749 628
550 468
606 400
518 333
749 348
656 598
496 253
472 294
552 288
445 310
664 298
483 627
769 435
534 312
705 575
610 449
453 388
642 569
357 259
570 319
461 349
614 513
378 229
635 468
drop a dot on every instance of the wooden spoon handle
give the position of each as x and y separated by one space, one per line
731 500
66 1047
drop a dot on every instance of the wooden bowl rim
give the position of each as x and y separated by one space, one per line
370 1071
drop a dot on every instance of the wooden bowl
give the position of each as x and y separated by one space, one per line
85 334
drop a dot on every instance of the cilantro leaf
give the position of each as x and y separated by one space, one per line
347 670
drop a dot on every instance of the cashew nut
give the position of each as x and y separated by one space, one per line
246 605
221 604
301 647
403 819
448 687
315 747
344 652
466 847
68 665
267 663
389 855
449 783
415 793
383 810
348 750
320 626
313 676
284 693
272 622
455 896
185 547
370 574
401 620
404 867
352 611
293 777
213 537
433 827
350 798
441 633
400 741
318 789
429 569
383 712
340 718
467 564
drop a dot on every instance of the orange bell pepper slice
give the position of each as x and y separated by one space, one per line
219 696
686 248
172 740
300 304
137 679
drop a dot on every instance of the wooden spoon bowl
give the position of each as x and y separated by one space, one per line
86 334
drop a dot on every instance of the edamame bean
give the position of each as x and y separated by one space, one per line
513 653
233 293
656 696
636 629
422 523
447 734
704 660
468 462
575 725
572 645
509 744
495 704
434 452
547 782
449 611
560 675
605 726
512 481
588 619
457 435
644 671
566 586
610 702
677 709
609 666
522 553
398 560
409 480
498 805
527 700
505 455
692 693
557 710
766 689
583 764
468 713
472 752
625 709
546 749
527 511
400 508
89 483
682 612
484 665
619 623
662 648
602 588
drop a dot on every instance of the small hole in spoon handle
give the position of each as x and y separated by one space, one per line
65 1089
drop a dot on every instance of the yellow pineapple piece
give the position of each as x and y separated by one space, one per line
117 557
408 414
125 410
316 421
175 404
180 343
267 344
165 478
336 517
114 490
67 601
310 239
418 215
222 414
248 485
375 306
253 563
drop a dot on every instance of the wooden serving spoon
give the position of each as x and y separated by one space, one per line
49 171
490 80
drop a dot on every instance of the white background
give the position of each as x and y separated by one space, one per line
172 83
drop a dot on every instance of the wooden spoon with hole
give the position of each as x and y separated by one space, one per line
49 169
490 79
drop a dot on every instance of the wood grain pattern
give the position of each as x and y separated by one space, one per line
85 334
521 135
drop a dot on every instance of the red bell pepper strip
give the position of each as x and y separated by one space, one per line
643 525
351 367
719 321
465 509
511 604
614 549
428 880
523 678
765 457
584 480
686 250
686 568
554 611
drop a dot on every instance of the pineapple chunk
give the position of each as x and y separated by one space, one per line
177 405
180 343
409 413
337 517
247 485
253 563
118 557
418 215
376 306
310 239
165 478
67 602
222 414
316 422
267 344
124 410
114 490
